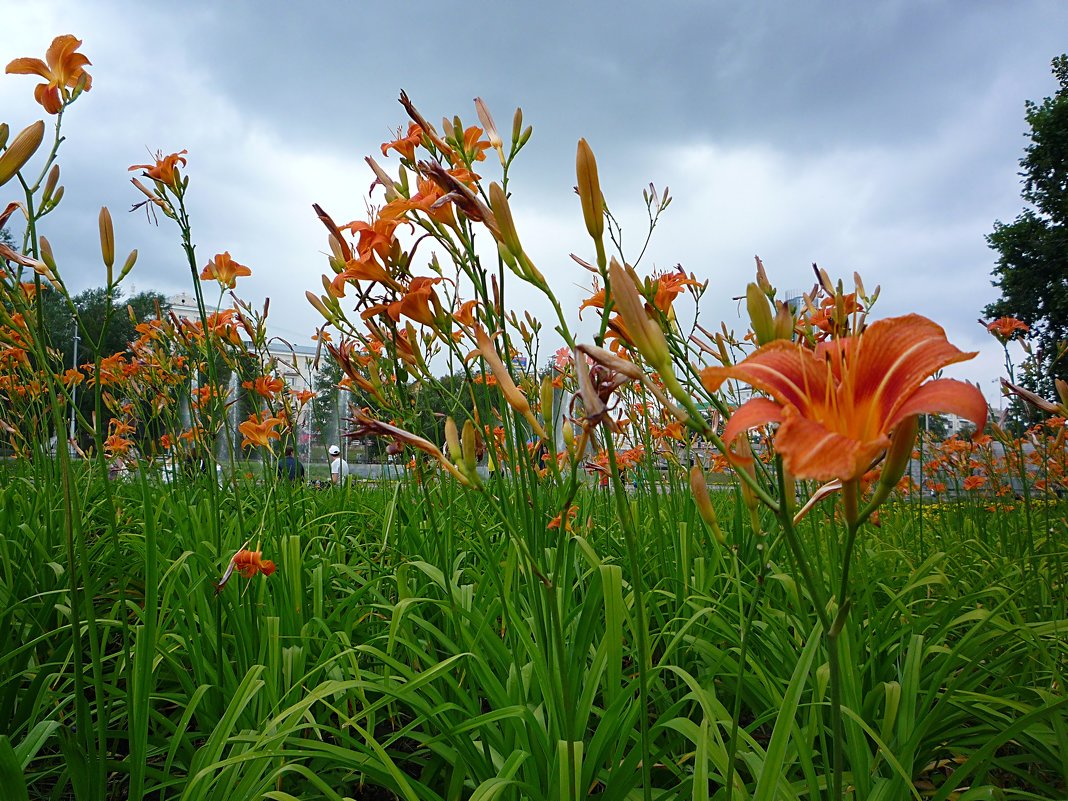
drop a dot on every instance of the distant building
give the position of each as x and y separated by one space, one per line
294 363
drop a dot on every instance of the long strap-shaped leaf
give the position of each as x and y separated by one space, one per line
771 771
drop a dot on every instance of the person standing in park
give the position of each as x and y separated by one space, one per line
339 468
289 467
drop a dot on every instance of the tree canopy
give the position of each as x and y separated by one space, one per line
91 305
1032 266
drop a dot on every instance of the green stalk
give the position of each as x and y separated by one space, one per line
630 538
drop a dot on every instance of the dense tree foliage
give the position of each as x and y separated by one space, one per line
92 306
1032 267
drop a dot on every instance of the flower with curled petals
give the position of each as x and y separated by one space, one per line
405 144
1005 328
165 170
837 406
260 432
63 69
224 270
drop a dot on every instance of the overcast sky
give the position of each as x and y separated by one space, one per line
878 137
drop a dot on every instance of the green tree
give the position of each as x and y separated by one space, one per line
91 304
1032 267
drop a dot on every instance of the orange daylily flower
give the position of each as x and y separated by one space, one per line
248 564
669 286
420 302
405 145
474 149
224 270
465 315
1005 328
63 71
366 269
428 199
265 385
837 406
559 520
595 301
374 237
165 170
259 432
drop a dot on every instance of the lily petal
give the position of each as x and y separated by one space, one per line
29 66
751 414
810 450
946 395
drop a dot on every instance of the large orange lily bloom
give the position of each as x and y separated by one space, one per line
64 70
837 405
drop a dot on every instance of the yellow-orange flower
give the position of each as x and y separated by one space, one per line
669 286
405 145
165 170
259 432
224 270
62 68
266 385
837 406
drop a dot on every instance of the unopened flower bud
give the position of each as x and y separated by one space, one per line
762 279
491 129
645 334
784 322
46 255
452 441
50 184
319 306
900 451
547 394
503 212
701 499
756 302
589 190
417 352
505 383
20 151
517 126
107 239
745 462
470 451
131 260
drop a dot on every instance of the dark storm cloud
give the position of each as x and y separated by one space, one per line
882 137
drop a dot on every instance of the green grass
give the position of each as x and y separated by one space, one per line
410 646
